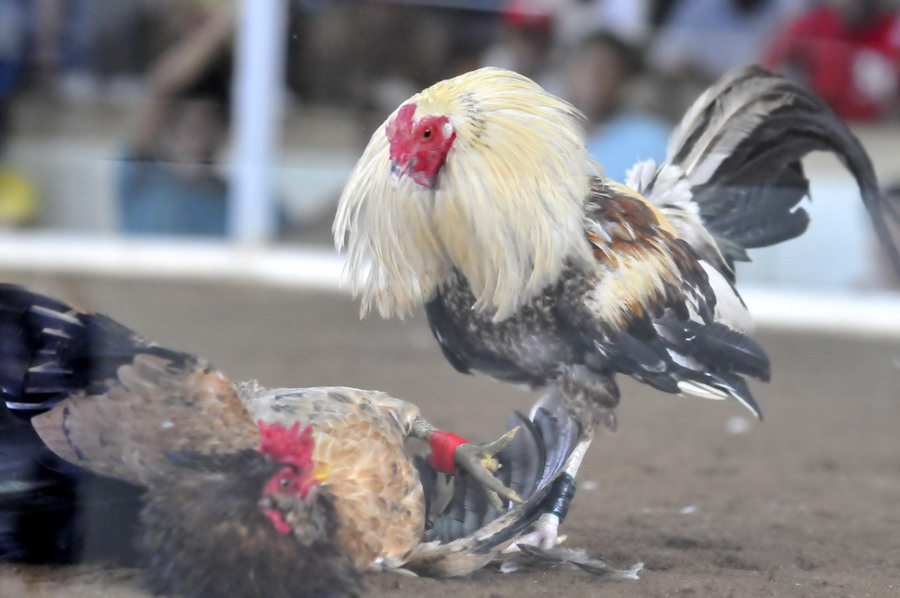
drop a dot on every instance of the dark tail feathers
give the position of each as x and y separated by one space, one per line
740 146
51 511
49 350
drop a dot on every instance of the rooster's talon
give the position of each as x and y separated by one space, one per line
480 461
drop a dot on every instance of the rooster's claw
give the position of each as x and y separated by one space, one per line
480 461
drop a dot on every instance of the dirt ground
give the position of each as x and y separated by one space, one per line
806 503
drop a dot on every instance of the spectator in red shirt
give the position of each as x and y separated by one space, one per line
848 52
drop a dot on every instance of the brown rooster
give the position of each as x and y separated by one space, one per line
263 492
477 198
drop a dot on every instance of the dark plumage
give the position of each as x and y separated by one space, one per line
48 349
206 537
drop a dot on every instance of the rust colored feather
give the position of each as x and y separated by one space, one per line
644 267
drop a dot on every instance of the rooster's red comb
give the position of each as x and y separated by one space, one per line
287 445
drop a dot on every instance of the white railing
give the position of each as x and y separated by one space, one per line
871 313
259 73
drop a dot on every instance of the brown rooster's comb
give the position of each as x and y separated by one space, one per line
287 445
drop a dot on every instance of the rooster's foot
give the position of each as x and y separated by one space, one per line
449 451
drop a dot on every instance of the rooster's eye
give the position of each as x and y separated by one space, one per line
285 483
427 133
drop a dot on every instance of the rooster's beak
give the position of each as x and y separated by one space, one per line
321 472
398 170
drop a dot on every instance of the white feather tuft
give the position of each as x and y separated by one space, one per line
730 308
640 175
702 391
669 189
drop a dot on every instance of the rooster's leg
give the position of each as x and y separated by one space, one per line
450 451
545 531
592 400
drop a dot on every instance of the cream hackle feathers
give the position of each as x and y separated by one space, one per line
510 235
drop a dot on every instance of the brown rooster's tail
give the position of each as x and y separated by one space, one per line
50 350
50 510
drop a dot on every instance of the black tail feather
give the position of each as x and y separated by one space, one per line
48 350
751 215
730 350
52 511
740 147
526 455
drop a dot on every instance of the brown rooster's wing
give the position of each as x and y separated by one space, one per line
653 310
106 399
157 405
360 438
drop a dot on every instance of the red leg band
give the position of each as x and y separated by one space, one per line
443 451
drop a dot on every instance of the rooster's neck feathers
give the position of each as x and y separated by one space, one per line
510 235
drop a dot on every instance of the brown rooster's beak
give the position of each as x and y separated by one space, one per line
321 472
318 475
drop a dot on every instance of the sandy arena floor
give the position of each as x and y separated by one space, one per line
805 504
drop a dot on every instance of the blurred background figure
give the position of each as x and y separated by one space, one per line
18 198
131 98
168 182
848 53
13 54
600 77
576 19
704 38
525 42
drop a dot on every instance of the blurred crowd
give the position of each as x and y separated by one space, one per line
631 66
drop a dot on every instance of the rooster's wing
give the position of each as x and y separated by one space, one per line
651 308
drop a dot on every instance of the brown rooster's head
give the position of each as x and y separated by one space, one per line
249 523
289 496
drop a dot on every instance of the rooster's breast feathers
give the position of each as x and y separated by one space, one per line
360 436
